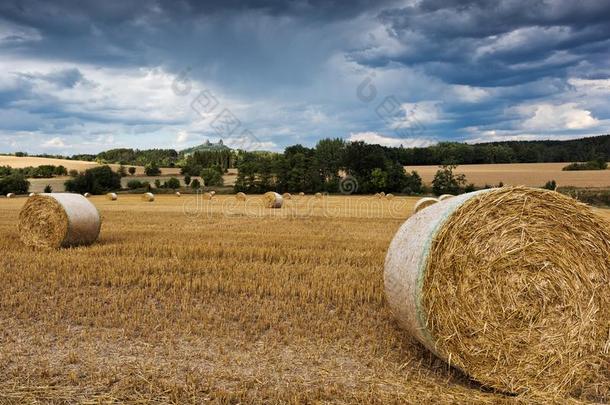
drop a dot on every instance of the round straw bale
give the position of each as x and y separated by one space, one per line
148 197
207 196
318 195
445 196
377 195
10 195
111 196
382 194
273 200
389 196
287 196
213 192
301 194
178 194
240 196
32 194
87 195
423 203
58 220
512 286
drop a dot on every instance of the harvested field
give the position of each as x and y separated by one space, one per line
188 301
522 174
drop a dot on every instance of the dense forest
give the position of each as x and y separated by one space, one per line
576 150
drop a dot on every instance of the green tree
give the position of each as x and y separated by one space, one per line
48 189
152 169
379 179
97 180
122 171
132 170
14 183
212 177
134 184
187 179
157 183
447 182
172 183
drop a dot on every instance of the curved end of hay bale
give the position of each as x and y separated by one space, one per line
511 285
301 194
58 220
286 196
240 196
178 194
112 196
148 197
423 203
273 200
318 195
87 195
10 195
389 196
445 197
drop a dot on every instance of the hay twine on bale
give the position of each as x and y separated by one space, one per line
272 199
514 290
240 196
287 196
423 203
58 220
148 197
445 197
112 196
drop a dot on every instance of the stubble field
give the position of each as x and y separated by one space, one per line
188 301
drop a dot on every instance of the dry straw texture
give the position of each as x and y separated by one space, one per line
58 220
273 200
111 196
240 196
515 291
423 203
148 197
445 196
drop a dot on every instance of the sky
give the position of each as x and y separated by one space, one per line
87 76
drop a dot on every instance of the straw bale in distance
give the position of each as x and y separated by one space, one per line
389 196
148 197
423 203
58 220
10 195
112 196
207 196
32 194
87 195
318 195
287 196
273 200
240 196
178 194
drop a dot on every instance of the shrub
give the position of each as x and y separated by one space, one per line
134 184
158 183
132 170
98 180
446 182
550 185
195 184
152 169
48 189
212 177
73 173
187 179
14 183
172 183
597 164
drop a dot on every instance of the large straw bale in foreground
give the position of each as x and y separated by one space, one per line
273 200
58 220
512 286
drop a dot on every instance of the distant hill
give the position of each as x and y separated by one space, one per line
205 147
